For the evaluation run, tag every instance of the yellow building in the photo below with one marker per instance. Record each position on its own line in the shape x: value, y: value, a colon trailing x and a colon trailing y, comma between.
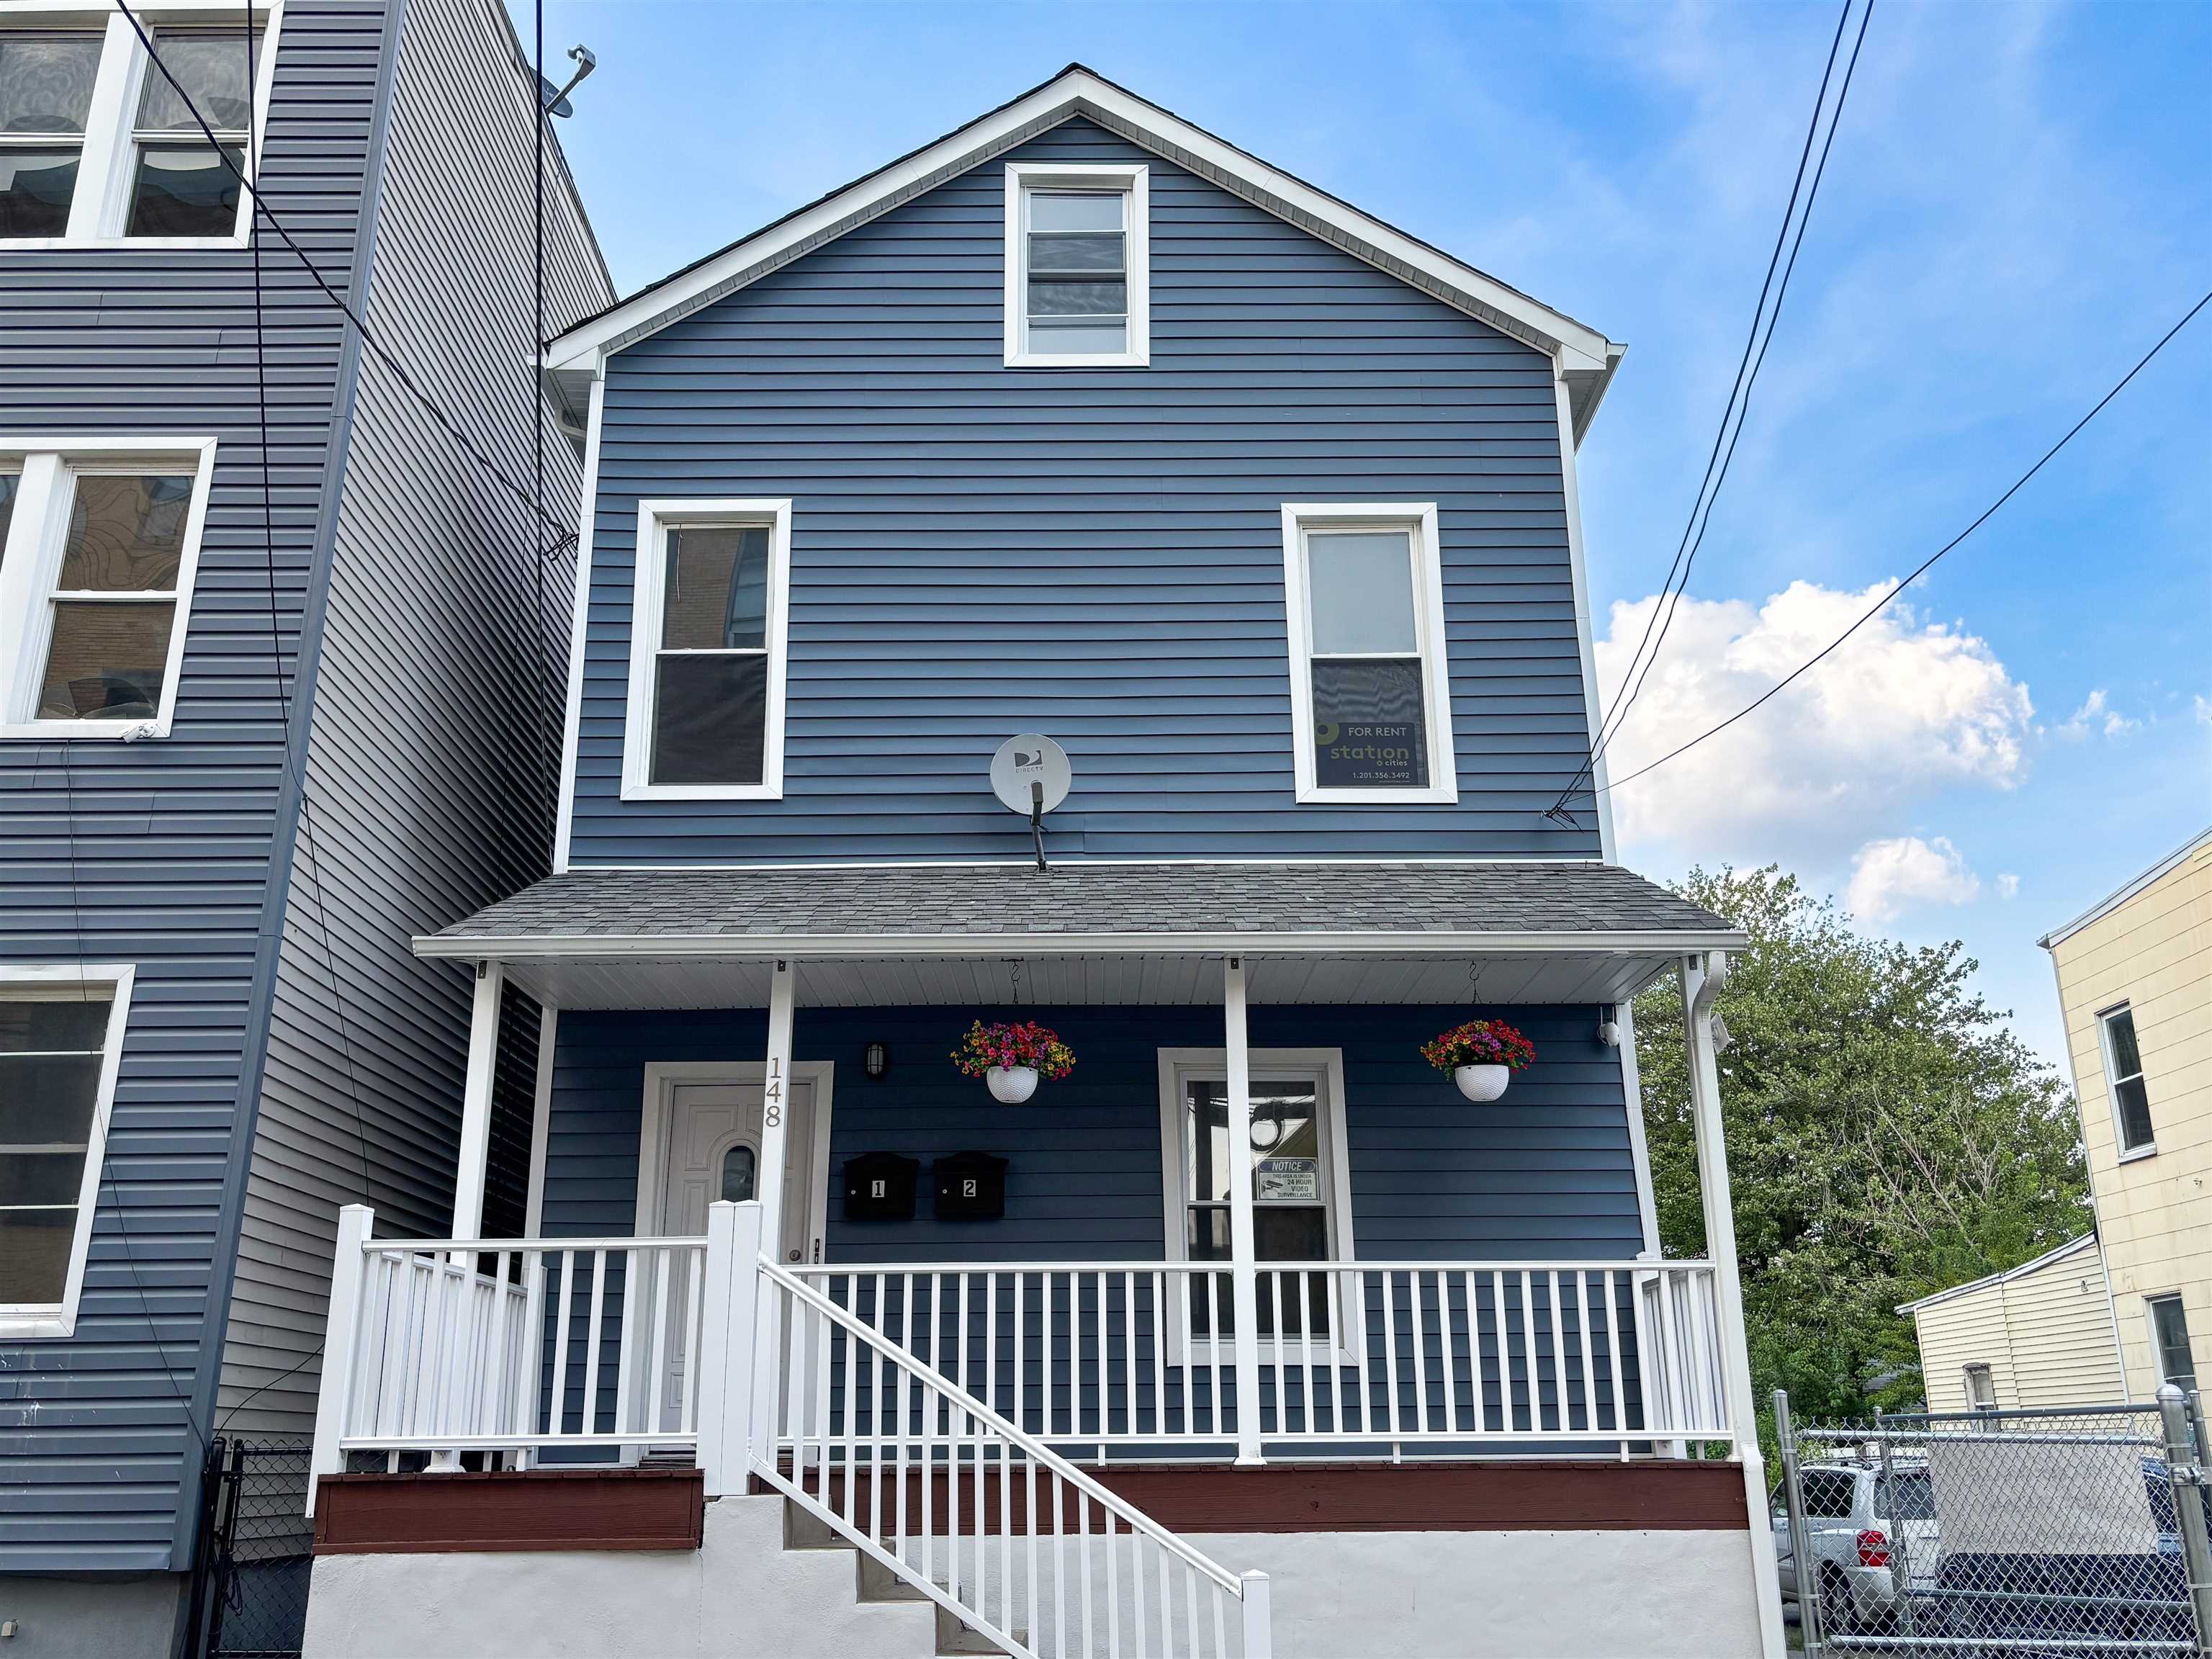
x: 2134, y: 983
x: 2040, y: 1334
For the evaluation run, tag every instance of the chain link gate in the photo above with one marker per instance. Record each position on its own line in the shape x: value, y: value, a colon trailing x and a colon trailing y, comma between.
x: 2064, y: 1534
x: 256, y: 1548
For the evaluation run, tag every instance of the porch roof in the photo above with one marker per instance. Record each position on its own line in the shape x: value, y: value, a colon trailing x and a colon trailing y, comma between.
x: 1560, y: 930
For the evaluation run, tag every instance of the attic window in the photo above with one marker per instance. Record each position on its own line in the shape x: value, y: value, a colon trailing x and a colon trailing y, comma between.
x: 1078, y: 267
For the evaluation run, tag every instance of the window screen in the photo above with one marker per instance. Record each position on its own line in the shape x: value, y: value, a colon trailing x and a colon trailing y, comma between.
x: 45, y: 95
x: 1076, y: 260
x: 115, y: 596
x: 185, y: 185
x: 2131, y: 1100
x: 50, y: 1065
x: 711, y: 671
x: 2169, y: 1326
x: 1370, y: 714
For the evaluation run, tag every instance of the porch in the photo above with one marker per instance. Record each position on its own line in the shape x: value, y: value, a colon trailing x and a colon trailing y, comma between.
x: 940, y: 1386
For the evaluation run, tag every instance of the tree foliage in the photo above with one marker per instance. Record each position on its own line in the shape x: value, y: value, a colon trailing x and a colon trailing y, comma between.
x: 1887, y: 1137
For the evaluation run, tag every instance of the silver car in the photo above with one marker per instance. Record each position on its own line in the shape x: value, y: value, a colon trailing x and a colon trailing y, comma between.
x: 1865, y: 1544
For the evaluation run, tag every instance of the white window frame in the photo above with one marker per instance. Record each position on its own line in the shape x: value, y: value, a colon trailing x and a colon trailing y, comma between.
x: 1324, y: 1069
x: 1418, y: 518
x: 1989, y: 1375
x: 108, y: 163
x: 2150, y: 1329
x: 654, y: 520
x: 1132, y: 180
x: 2125, y: 1153
x: 32, y: 564
x: 49, y: 1319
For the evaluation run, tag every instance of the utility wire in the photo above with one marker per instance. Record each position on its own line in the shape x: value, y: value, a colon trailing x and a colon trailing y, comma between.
x: 1732, y: 412
x: 452, y: 428
x: 1883, y: 603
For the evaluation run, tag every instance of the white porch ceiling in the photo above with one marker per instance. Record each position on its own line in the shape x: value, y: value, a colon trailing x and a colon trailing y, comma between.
x: 1176, y: 978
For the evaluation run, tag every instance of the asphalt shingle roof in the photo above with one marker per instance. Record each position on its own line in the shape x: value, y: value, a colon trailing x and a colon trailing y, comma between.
x: 1078, y: 899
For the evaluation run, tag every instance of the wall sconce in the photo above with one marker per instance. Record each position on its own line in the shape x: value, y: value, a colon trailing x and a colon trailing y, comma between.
x: 875, y: 1060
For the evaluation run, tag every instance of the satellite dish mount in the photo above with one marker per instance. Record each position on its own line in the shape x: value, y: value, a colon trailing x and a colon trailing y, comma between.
x: 1031, y: 775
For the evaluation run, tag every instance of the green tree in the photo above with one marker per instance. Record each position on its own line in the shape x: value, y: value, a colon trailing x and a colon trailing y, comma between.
x: 1887, y: 1137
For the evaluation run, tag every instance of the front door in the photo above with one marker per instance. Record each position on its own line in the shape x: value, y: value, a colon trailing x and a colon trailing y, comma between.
x: 710, y: 1149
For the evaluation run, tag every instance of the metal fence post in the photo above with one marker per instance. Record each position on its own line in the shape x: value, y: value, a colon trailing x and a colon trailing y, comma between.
x: 1801, y: 1539
x: 2190, y: 1482
x: 1900, y: 1557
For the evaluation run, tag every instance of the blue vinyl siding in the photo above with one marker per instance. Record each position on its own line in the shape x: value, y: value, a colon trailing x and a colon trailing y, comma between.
x: 1096, y: 554
x: 1547, y: 1171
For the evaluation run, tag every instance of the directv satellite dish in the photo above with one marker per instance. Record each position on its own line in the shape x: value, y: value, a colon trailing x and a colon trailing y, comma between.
x: 1031, y: 775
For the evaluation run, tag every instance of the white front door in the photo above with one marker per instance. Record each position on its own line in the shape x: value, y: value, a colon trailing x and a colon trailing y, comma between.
x: 710, y: 1149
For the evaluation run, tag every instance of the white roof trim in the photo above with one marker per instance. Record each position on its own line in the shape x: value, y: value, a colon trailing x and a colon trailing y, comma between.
x: 2165, y: 866
x: 2086, y: 1242
x: 1581, y: 351
x: 872, y: 946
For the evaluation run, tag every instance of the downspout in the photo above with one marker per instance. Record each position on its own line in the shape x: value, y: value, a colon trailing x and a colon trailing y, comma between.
x: 1703, y: 976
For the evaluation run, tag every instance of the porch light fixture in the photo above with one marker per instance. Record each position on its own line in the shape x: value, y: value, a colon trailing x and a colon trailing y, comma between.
x: 875, y: 1060
x: 1608, y: 1033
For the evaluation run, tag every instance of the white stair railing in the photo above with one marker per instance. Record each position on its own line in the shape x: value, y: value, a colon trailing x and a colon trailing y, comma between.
x: 982, y: 1516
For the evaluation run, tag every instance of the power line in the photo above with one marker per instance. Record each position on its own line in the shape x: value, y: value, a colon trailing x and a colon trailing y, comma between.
x: 1736, y: 410
x: 1883, y: 603
x: 452, y: 428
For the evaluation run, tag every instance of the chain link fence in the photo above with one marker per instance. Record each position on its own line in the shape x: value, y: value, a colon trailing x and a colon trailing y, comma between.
x: 257, y: 1547
x: 2065, y: 1534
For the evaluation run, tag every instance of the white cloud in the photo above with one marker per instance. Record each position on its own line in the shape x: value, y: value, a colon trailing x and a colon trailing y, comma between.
x: 1905, y: 705
x: 2095, y: 713
x: 2007, y: 885
x: 1889, y: 876
x: 2201, y: 706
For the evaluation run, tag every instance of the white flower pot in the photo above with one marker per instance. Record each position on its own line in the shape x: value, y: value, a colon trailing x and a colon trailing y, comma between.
x: 1012, y: 1085
x: 1481, y: 1082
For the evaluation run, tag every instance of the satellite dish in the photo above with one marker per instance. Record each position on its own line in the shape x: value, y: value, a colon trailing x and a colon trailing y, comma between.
x: 1031, y: 774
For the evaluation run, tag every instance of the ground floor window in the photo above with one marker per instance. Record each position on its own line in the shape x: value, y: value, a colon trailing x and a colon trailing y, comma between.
x: 61, y: 1030
x: 2169, y: 1333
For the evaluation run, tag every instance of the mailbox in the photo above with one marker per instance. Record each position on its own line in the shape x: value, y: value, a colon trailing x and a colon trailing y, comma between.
x: 879, y: 1187
x: 970, y: 1186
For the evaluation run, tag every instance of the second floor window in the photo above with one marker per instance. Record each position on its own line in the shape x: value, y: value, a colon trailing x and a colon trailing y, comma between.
x: 97, y: 145
x: 1078, y: 267
x: 706, y: 695
x: 1370, y: 699
x: 2123, y: 1069
x: 96, y: 570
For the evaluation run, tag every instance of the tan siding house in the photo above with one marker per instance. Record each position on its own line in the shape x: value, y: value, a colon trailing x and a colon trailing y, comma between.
x: 2040, y: 1334
x: 2135, y: 982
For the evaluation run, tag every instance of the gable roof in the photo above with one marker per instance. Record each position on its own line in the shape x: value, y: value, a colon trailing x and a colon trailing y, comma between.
x: 1586, y: 357
x: 2088, y: 1241
x: 2105, y: 907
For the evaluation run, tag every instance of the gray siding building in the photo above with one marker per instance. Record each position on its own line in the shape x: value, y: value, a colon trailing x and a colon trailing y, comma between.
x: 281, y: 630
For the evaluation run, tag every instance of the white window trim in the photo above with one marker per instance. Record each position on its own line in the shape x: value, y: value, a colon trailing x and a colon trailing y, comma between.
x: 1429, y: 640
x: 1966, y: 1374
x: 2150, y: 1329
x: 1324, y: 1068
x: 45, y: 1319
x: 654, y: 520
x: 1134, y: 180
x: 33, y: 562
x: 2124, y: 1153
x: 102, y: 203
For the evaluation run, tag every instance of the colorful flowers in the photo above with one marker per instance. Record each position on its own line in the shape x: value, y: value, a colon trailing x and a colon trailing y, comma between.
x: 1480, y: 1043
x: 1028, y: 1045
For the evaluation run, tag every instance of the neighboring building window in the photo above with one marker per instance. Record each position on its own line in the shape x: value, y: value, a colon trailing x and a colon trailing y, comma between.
x: 1301, y: 1200
x: 96, y: 144
x: 1981, y: 1388
x: 707, y: 670
x: 95, y: 583
x: 45, y: 96
x: 2169, y: 1331
x: 1078, y: 264
x: 2123, y: 1069
x: 1370, y: 693
x: 61, y: 1032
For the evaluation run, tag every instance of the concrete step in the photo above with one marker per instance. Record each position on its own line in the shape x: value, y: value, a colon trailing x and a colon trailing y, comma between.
x: 803, y: 1530
x: 956, y: 1636
x: 874, y: 1581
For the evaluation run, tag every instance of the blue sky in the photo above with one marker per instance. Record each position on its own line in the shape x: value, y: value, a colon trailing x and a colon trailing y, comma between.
x: 2019, y: 204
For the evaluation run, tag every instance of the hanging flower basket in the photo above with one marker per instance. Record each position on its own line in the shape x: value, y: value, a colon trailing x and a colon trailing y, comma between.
x: 1010, y: 1058
x: 1481, y: 1056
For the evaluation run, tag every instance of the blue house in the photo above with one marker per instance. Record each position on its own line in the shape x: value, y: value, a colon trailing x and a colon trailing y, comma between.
x: 1082, y: 582
x: 281, y: 625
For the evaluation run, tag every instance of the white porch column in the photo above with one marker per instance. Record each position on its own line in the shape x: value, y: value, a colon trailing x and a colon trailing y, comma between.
x: 1702, y: 979
x: 775, y: 1111
x: 476, y: 1102
x: 764, y: 1321
x: 1243, y: 1276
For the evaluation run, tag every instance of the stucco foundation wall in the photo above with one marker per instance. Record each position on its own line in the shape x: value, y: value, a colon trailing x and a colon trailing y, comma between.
x: 1337, y: 1596
x: 91, y: 1618
x: 1502, y: 1594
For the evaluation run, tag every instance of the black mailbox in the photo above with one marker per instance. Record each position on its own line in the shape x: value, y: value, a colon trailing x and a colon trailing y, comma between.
x: 970, y: 1185
x: 879, y: 1187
